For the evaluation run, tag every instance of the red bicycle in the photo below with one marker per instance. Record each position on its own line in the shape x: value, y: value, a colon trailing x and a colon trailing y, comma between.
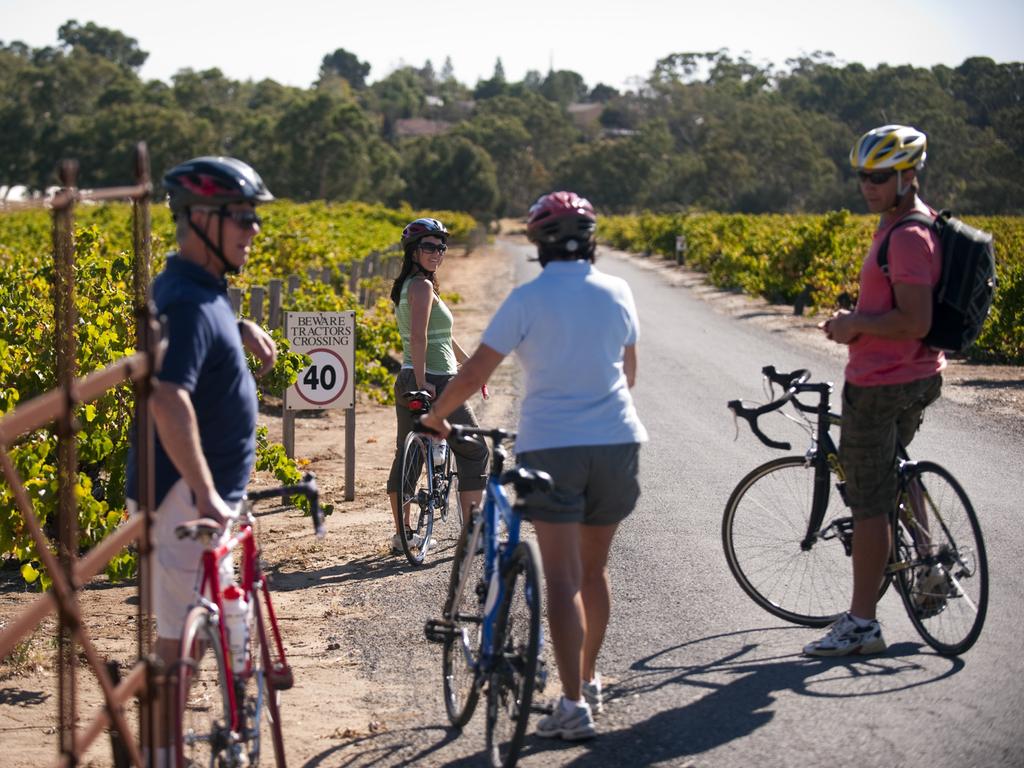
x: 232, y: 666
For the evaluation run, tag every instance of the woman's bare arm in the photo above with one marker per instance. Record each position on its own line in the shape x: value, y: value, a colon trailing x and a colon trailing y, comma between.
x: 421, y: 298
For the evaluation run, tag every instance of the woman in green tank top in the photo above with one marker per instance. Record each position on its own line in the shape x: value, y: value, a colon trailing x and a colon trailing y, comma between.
x: 430, y: 358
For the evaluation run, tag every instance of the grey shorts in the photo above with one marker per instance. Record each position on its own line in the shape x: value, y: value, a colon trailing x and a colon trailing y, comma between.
x: 470, y: 458
x: 874, y: 418
x: 593, y: 484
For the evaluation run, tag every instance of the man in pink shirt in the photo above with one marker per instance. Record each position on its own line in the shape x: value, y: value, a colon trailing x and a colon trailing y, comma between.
x: 891, y: 375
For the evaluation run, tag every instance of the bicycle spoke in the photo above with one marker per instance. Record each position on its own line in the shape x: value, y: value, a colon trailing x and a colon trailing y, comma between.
x: 416, y: 501
x: 763, y: 528
x: 464, y: 610
x: 202, y: 710
x: 511, y: 682
x: 944, y: 575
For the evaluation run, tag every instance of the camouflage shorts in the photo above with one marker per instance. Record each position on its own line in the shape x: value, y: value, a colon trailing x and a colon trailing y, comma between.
x: 874, y: 419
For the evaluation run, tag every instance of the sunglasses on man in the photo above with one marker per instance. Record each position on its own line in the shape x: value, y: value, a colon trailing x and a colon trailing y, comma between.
x: 875, y: 177
x: 243, y: 219
x: 431, y: 248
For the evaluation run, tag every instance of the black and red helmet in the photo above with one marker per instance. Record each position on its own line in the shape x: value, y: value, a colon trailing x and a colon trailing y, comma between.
x: 416, y: 230
x: 559, y: 217
x: 214, y: 181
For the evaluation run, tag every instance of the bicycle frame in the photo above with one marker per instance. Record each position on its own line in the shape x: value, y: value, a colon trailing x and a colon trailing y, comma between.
x: 208, y: 589
x: 439, y: 484
x: 824, y: 455
x: 496, y: 509
x: 438, y: 478
x: 209, y: 593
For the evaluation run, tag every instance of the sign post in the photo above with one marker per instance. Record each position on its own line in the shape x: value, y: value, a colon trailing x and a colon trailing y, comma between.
x: 329, y: 338
x: 681, y: 246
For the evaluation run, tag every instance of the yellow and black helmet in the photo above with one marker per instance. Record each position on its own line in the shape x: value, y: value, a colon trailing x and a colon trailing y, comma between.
x: 898, y: 147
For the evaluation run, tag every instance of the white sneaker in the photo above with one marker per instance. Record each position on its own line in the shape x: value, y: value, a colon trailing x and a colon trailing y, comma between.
x: 396, y: 544
x: 592, y: 694
x: 846, y: 637
x: 569, y: 721
x: 417, y: 539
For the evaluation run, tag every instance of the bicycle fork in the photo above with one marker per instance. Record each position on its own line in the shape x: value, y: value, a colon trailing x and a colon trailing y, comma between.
x: 842, y: 527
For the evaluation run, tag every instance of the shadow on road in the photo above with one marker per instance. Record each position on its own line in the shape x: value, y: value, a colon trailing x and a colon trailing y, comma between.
x: 723, y: 712
x: 388, y: 748
x: 365, y: 568
x: 734, y: 709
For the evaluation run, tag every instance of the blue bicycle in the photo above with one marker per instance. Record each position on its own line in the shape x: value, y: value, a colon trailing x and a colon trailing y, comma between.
x: 491, y: 625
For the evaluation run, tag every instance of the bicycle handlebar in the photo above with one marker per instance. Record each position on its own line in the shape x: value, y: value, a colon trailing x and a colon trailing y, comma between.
x: 464, y: 432
x: 307, y: 488
x: 792, y: 383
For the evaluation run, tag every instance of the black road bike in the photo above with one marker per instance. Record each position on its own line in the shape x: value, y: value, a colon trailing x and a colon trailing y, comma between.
x: 429, y: 489
x: 788, y: 534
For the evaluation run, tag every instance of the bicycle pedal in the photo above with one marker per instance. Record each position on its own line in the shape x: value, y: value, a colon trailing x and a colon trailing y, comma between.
x: 542, y: 709
x: 440, y: 630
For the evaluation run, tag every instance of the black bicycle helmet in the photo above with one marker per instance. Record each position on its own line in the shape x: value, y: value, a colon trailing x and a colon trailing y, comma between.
x: 416, y: 230
x: 214, y: 181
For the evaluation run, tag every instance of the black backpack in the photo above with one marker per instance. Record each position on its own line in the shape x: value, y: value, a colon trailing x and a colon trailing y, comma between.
x: 964, y: 293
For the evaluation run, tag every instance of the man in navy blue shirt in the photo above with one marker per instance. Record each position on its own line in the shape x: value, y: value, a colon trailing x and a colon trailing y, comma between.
x: 204, y: 401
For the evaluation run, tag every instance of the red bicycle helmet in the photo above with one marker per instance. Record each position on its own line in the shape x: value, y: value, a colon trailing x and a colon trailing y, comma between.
x: 559, y: 217
x: 416, y: 230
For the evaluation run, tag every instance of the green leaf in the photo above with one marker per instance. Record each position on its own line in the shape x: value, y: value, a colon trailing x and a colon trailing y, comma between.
x: 28, y: 573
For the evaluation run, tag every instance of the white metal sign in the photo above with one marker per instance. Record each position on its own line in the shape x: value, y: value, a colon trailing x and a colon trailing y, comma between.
x: 329, y: 340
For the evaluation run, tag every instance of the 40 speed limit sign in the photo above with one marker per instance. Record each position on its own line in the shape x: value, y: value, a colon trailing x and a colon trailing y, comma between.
x: 329, y: 340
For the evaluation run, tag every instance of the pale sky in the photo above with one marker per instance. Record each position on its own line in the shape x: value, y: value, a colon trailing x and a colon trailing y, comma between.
x: 606, y: 41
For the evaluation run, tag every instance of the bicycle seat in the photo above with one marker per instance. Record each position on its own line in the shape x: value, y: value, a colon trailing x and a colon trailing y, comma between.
x: 203, y: 528
x: 525, y: 480
x: 418, y: 400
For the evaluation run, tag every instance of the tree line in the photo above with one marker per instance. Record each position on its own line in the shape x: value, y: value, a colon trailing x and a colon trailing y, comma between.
x: 703, y: 131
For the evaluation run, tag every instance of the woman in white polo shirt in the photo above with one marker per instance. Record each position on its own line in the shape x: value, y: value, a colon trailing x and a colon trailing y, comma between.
x: 575, y: 330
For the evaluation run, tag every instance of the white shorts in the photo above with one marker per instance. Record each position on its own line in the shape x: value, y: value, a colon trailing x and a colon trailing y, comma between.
x: 175, y: 562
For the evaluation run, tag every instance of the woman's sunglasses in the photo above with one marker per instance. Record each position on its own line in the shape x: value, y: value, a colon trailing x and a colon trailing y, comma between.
x: 875, y: 177
x: 433, y: 248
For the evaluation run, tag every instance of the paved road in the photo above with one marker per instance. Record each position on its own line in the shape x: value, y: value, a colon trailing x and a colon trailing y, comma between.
x: 701, y: 676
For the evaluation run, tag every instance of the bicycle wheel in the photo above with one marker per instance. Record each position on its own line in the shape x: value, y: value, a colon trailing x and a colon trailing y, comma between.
x: 940, y: 563
x: 448, y: 507
x: 517, y: 638
x: 763, y: 530
x: 416, y: 497
x: 260, y: 694
x: 464, y: 607
x: 202, y: 707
